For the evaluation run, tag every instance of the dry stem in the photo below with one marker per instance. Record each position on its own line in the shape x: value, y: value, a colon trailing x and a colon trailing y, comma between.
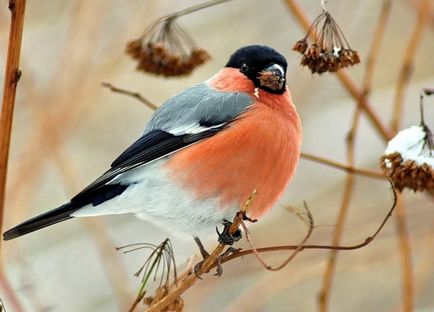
x: 366, y: 242
x: 324, y: 295
x: 309, y: 221
x: 135, y: 95
x: 405, y: 253
x: 407, y: 63
x: 347, y: 168
x: 12, y: 75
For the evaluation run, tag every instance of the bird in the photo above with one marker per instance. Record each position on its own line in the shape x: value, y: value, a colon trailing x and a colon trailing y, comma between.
x: 201, y: 154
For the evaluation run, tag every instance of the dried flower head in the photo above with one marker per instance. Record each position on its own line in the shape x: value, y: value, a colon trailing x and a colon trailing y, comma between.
x: 408, y: 160
x: 166, y: 49
x: 330, y: 51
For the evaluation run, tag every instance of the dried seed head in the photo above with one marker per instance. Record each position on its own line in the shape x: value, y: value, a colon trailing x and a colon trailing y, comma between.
x: 300, y: 46
x: 166, y: 49
x: 330, y: 51
x: 408, y: 160
x: 268, y: 79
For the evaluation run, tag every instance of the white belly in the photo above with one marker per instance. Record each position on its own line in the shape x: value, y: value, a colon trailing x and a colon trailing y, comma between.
x: 154, y: 197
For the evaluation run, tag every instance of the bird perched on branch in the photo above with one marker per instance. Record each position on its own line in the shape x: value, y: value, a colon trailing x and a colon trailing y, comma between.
x: 202, y: 153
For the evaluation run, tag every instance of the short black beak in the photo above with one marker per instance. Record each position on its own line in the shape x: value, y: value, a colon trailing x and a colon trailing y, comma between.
x: 276, y: 70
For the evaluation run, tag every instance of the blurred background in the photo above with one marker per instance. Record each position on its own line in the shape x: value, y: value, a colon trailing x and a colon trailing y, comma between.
x: 67, y: 129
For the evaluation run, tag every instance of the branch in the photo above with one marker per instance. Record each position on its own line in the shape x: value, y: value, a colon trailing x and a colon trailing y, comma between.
x: 135, y: 95
x: 12, y: 75
x: 341, y: 166
x: 407, y: 64
x: 310, y: 223
x: 195, y: 8
x: 366, y: 242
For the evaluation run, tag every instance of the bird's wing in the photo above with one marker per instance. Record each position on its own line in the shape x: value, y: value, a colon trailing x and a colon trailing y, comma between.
x: 191, y: 116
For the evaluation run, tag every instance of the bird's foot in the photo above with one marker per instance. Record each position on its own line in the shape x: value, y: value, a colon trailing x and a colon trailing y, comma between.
x: 225, y: 237
x: 218, y: 261
x: 202, y: 249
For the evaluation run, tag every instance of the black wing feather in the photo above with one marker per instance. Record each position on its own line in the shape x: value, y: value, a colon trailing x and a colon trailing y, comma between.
x: 150, y: 146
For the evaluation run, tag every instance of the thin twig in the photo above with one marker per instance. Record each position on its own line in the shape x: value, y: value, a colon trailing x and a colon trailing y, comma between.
x: 377, y: 40
x: 345, y: 79
x: 366, y: 242
x: 293, y: 254
x: 408, y: 60
x: 341, y: 166
x: 195, y: 8
x: 135, y: 95
x: 12, y: 75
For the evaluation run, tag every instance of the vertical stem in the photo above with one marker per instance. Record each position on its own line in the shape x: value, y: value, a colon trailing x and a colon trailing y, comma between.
x: 12, y: 75
x: 405, y: 252
x: 407, y: 64
x: 324, y: 295
x: 401, y: 226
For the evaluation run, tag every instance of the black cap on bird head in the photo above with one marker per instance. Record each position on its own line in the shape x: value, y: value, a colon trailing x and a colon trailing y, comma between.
x: 263, y: 65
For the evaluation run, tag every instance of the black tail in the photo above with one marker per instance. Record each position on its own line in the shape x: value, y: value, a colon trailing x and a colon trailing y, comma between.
x: 59, y: 214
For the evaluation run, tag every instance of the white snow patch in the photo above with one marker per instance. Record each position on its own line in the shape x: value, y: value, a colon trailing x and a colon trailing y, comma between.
x: 410, y: 144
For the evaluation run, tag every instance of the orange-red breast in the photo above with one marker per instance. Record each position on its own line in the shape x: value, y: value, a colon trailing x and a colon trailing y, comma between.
x: 202, y: 153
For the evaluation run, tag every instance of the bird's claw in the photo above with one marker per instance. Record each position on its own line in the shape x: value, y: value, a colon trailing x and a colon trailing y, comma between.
x: 218, y: 261
x: 202, y: 249
x: 227, y: 238
x: 197, y: 268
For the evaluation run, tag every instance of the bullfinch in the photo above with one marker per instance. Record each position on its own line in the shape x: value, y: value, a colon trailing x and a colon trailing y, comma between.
x: 202, y: 153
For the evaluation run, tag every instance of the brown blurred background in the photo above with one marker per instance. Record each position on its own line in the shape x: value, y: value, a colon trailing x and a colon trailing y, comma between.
x: 67, y: 129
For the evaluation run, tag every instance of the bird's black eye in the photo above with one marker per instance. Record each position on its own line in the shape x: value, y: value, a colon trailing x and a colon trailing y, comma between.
x: 244, y: 68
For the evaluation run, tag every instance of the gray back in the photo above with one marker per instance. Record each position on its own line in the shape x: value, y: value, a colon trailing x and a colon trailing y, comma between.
x: 198, y: 105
